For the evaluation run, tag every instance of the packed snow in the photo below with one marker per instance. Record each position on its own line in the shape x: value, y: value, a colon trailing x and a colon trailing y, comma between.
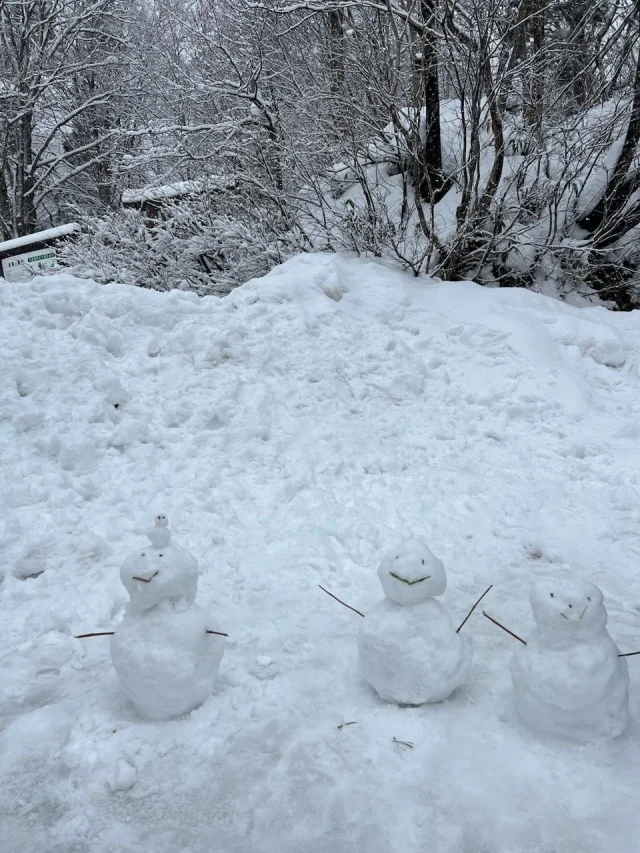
x: 292, y: 432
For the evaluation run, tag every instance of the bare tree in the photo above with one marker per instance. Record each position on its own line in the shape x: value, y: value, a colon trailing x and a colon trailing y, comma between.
x: 47, y: 47
x: 494, y: 139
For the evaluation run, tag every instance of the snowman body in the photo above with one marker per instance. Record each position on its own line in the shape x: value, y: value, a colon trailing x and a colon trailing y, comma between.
x: 408, y: 648
x: 569, y: 680
x: 164, y: 659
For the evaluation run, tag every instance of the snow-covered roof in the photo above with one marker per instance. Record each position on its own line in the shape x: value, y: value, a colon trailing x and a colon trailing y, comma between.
x: 39, y: 237
x: 175, y: 190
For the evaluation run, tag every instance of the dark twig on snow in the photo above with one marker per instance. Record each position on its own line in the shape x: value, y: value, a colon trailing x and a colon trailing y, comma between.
x: 500, y: 625
x: 403, y: 744
x: 341, y: 601
x: 95, y: 634
x: 473, y: 608
x: 110, y: 633
x: 351, y: 723
x: 628, y: 654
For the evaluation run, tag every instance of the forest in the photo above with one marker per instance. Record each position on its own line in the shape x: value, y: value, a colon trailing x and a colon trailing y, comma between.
x: 491, y: 140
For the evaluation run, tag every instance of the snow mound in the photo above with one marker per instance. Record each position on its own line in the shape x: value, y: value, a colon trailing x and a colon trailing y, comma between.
x: 290, y: 431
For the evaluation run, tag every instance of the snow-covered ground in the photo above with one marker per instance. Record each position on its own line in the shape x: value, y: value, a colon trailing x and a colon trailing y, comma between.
x: 290, y: 431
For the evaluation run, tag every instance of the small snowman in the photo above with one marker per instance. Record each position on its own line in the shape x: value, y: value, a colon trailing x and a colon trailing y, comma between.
x: 163, y: 652
x: 569, y: 678
x: 408, y: 648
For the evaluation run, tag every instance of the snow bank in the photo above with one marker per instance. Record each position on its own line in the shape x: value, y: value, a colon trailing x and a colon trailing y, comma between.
x: 291, y: 431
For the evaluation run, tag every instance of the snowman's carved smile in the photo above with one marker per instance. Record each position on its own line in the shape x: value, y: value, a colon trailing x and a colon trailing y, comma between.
x: 145, y: 580
x: 574, y: 621
x: 409, y: 583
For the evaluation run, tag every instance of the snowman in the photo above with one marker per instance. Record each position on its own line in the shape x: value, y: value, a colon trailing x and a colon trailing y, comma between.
x: 408, y: 648
x: 568, y: 678
x: 163, y: 652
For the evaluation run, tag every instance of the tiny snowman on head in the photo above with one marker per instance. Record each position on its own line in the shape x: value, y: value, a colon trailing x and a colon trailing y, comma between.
x: 160, y: 534
x: 160, y: 571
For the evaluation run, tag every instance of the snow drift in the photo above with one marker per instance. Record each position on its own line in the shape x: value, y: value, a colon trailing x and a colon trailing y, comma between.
x: 292, y: 431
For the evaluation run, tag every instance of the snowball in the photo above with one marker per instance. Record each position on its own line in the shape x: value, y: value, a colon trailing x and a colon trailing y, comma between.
x: 165, y: 661
x: 412, y: 655
x: 411, y: 573
x: 122, y: 777
x: 567, y: 609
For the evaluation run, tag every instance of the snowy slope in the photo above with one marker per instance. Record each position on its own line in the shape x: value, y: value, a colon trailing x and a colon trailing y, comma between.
x: 289, y: 431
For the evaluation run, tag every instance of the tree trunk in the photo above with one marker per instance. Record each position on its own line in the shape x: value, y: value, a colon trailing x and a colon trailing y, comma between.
x: 535, y: 16
x: 335, y: 25
x: 513, y: 53
x: 336, y: 62
x: 600, y: 220
x: 26, y: 211
x: 432, y: 180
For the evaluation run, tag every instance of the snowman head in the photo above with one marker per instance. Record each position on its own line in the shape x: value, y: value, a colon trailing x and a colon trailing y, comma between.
x: 159, y: 571
x: 567, y: 608
x: 410, y: 573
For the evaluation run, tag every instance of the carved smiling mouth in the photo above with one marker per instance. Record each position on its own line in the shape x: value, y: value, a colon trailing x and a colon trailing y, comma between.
x: 145, y: 580
x: 409, y: 583
x: 575, y: 621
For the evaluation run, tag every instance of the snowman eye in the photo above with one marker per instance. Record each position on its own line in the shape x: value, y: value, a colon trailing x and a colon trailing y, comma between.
x: 588, y: 599
x: 570, y: 606
x: 551, y: 594
x: 143, y: 554
x: 160, y: 555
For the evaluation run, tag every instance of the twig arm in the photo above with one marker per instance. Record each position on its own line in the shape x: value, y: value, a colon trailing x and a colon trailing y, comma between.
x: 110, y: 633
x: 500, y: 625
x: 341, y: 601
x: 95, y: 634
x: 461, y: 625
x: 628, y: 654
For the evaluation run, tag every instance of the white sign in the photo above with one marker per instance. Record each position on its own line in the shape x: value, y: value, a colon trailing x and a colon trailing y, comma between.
x: 22, y: 267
